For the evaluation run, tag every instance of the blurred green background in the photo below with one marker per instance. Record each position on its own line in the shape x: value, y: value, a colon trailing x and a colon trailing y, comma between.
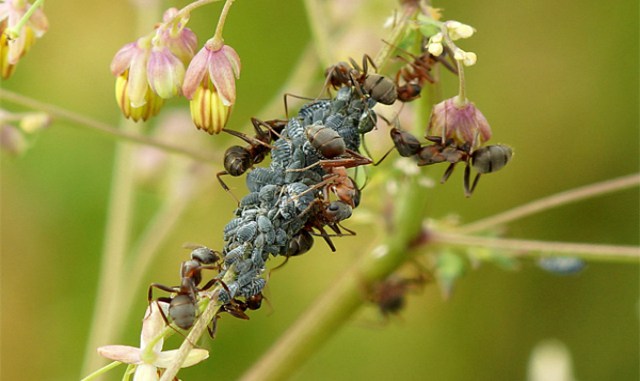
x: 558, y: 81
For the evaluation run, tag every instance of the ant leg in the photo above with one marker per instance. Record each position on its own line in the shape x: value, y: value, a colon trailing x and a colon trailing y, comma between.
x: 213, y: 328
x: 286, y: 107
x: 448, y: 173
x: 249, y: 139
x: 224, y: 185
x: 160, y: 287
x: 326, y: 238
x: 366, y: 58
x: 467, y: 175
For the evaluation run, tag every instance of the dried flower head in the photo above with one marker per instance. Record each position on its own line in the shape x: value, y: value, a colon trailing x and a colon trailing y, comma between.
x: 15, y: 43
x: 210, y: 85
x: 460, y: 122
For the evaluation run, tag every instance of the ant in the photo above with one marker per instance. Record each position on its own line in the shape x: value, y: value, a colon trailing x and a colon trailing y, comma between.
x: 484, y: 160
x: 378, y: 87
x: 389, y: 294
x: 182, y: 306
x: 237, y: 159
x: 236, y: 308
x: 418, y: 71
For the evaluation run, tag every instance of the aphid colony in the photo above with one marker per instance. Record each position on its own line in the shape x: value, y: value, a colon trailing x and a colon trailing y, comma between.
x: 306, y: 187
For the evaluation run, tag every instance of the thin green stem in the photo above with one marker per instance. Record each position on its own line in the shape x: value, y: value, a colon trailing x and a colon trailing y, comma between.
x: 102, y: 371
x: 553, y: 201
x: 117, y: 230
x: 221, y: 20
x: 15, y: 31
x: 320, y: 30
x: 184, y: 12
x: 119, y: 133
x: 519, y: 247
x: 115, y: 246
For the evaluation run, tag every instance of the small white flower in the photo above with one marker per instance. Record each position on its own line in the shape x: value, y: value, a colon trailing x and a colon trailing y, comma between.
x: 434, y: 46
x: 148, y: 359
x: 435, y: 49
x: 458, y: 30
x: 467, y: 58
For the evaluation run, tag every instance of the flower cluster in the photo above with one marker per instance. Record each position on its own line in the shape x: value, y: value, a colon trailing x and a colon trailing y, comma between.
x: 152, y: 69
x: 449, y: 32
x: 19, y: 30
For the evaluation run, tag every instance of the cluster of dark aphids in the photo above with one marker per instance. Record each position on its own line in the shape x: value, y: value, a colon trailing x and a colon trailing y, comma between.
x: 292, y: 199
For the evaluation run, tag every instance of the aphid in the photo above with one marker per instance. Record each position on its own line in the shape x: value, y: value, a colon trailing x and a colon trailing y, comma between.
x: 247, y: 231
x: 260, y: 177
x: 182, y: 307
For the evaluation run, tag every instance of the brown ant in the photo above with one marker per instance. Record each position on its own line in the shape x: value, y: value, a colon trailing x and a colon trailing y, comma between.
x: 418, y: 71
x: 389, y: 294
x: 485, y: 159
x: 237, y: 159
x: 378, y: 87
x: 237, y: 309
x: 182, y: 306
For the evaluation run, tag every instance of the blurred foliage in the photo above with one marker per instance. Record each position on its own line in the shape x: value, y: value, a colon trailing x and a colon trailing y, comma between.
x: 558, y: 81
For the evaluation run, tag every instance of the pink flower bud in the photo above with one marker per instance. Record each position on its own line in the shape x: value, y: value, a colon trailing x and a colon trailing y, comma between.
x: 463, y: 124
x: 210, y: 85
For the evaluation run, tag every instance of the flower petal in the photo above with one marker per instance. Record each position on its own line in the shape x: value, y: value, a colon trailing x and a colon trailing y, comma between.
x: 166, y: 358
x: 195, y: 72
x: 146, y: 372
x: 122, y: 353
x: 221, y: 73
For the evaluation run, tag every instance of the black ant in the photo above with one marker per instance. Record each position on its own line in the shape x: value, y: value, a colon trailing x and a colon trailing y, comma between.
x: 237, y: 159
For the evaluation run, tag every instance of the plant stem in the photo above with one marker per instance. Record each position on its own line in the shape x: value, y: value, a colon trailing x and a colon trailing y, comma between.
x: 519, y: 247
x: 334, y: 307
x: 319, y: 25
x: 114, y: 249
x: 84, y: 121
x: 15, y: 31
x: 223, y: 17
x: 118, y: 229
x: 553, y: 201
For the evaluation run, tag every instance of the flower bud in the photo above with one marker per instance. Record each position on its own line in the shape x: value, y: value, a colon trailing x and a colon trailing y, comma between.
x: 134, y: 95
x: 209, y: 84
x: 165, y: 72
x: 459, y: 122
x: 458, y: 30
x: 14, y: 47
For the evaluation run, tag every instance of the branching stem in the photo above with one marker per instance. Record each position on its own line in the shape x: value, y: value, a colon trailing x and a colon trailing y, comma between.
x: 119, y: 133
x: 553, y: 201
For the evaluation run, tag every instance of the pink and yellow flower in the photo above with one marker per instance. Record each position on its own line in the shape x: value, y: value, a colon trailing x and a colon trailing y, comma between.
x: 210, y: 85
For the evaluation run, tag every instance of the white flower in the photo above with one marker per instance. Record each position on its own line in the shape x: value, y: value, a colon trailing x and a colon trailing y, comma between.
x: 149, y: 356
x: 458, y: 30
x: 467, y: 58
x: 434, y: 46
